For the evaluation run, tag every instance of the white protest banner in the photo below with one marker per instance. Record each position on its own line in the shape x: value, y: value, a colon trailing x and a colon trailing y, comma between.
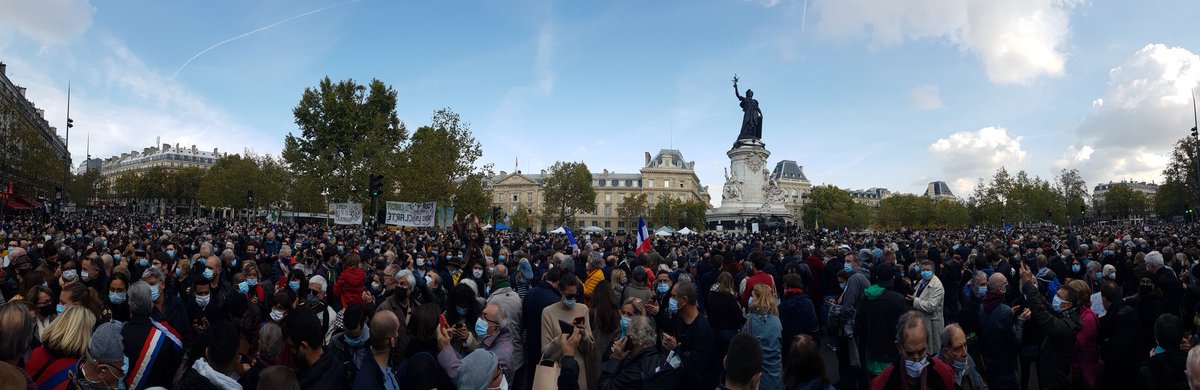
x: 411, y: 214
x: 347, y: 213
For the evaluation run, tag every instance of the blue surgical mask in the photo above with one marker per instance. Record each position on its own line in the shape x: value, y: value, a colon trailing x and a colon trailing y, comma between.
x: 1158, y: 350
x: 1074, y: 267
x: 144, y: 262
x: 481, y: 327
x: 625, y: 321
x: 360, y: 340
x: 116, y: 257
x: 341, y: 248
x: 958, y: 366
x: 926, y: 274
x: 178, y: 272
x: 116, y: 298
x: 663, y: 288
x: 501, y: 257
x: 154, y: 292
x: 981, y: 290
x: 848, y: 267
x: 672, y: 305
x: 1056, y: 304
x: 570, y: 303
x: 915, y: 368
x: 1099, y: 275
x: 171, y: 254
x: 208, y: 274
x: 60, y: 308
x: 252, y: 281
x: 294, y: 285
x: 842, y: 285
x: 1109, y: 252
x: 243, y: 287
x: 462, y: 311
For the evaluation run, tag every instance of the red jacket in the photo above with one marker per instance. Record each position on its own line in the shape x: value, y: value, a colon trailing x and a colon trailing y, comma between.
x: 938, y: 376
x: 50, y: 372
x: 759, y: 277
x: 349, y: 286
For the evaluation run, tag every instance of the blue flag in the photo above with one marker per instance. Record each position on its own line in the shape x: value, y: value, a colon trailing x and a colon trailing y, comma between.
x: 571, y: 238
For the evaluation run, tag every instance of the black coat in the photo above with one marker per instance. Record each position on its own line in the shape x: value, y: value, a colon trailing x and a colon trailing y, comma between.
x: 876, y: 324
x: 796, y: 316
x: 999, y: 344
x: 1165, y: 371
x: 629, y: 373
x: 1058, y: 339
x: 699, y: 362
x: 1120, y: 352
x: 192, y: 380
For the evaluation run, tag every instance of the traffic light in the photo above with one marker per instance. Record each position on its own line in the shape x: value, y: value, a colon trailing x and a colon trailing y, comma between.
x: 1082, y: 210
x: 376, y: 186
x: 249, y: 198
x: 71, y: 123
x: 1194, y: 133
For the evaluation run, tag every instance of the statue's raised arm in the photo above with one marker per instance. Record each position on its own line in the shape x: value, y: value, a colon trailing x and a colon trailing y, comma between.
x: 735, y: 88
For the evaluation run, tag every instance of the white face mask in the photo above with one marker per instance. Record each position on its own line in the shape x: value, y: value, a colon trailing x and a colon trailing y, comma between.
x: 202, y: 300
x: 276, y: 315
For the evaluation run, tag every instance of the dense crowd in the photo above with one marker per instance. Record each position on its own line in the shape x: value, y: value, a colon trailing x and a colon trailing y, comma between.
x: 112, y: 301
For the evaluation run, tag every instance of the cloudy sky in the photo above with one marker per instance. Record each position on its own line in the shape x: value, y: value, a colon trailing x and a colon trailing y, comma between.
x: 862, y: 93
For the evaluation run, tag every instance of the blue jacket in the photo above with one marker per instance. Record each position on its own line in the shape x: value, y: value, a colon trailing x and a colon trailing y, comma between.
x: 369, y: 378
x: 767, y: 329
x: 797, y: 316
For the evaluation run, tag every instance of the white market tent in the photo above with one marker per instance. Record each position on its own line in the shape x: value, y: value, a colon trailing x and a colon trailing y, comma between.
x: 664, y: 231
x: 560, y: 230
x: 685, y: 231
x: 593, y: 229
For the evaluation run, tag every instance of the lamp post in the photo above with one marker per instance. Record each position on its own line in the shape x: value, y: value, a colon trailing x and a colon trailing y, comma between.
x: 1196, y: 139
x: 62, y: 195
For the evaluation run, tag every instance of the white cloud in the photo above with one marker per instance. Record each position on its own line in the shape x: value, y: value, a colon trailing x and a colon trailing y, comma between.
x: 128, y: 104
x: 926, y: 98
x: 1017, y: 40
x: 766, y: 3
x: 1074, y: 156
x: 49, y: 22
x: 1146, y: 108
x: 969, y: 155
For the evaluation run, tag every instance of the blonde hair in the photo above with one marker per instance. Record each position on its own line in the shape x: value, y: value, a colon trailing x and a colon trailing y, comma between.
x: 764, y: 300
x: 725, y: 283
x: 617, y: 275
x: 250, y: 265
x: 71, y: 331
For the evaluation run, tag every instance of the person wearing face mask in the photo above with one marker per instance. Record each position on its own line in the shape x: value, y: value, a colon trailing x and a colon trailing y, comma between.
x: 491, y: 330
x: 201, y: 309
x: 573, y: 312
x: 914, y: 368
x: 154, y: 349
x: 376, y: 373
x: 350, y: 345
x: 1122, y: 354
x: 116, y: 306
x: 509, y: 303
x: 1060, y: 323
x: 928, y: 299
x: 875, y: 322
x: 954, y: 352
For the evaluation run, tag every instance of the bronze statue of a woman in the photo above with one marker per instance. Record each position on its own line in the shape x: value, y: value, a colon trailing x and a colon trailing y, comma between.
x: 751, y: 115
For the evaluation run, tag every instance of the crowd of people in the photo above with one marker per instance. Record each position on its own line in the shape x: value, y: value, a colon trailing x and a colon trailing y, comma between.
x: 131, y: 301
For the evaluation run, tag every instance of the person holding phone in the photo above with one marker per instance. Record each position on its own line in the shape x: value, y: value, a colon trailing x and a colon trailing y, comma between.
x: 558, y: 317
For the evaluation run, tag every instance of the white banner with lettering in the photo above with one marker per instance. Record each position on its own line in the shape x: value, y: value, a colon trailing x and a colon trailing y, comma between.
x: 347, y: 214
x: 411, y: 214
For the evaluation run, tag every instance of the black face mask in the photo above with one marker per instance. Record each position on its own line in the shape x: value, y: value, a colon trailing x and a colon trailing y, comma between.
x: 401, y: 293
x: 47, y: 310
x: 1145, y: 289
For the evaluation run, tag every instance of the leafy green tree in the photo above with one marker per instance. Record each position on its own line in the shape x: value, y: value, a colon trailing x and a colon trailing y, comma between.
x: 666, y: 212
x: 347, y: 132
x: 226, y: 183
x: 125, y: 187
x: 1123, y: 202
x: 439, y: 158
x: 1172, y: 199
x: 832, y: 207
x: 471, y: 197
x: 82, y: 187
x: 521, y: 218
x: 1073, y: 191
x: 631, y: 208
x: 304, y: 195
x: 567, y: 191
x: 950, y: 214
x: 185, y: 184
x: 691, y: 214
x: 1181, y: 167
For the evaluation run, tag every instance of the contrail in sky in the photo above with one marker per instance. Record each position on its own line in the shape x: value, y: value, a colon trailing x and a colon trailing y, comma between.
x: 260, y: 29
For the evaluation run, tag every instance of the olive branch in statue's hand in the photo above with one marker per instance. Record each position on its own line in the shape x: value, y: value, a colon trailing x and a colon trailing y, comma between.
x: 735, y: 79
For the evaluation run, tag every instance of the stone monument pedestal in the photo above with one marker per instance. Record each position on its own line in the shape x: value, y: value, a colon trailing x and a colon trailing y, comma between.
x: 749, y: 194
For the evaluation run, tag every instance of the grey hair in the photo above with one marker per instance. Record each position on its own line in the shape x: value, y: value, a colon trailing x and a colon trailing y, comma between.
x: 17, y: 324
x: 285, y: 250
x: 595, y: 260
x: 947, y: 334
x: 270, y: 341
x: 227, y: 254
x: 641, y: 332
x: 206, y: 247
x: 684, y: 278
x: 139, y: 298
x: 909, y: 320
x: 153, y: 272
x: 980, y: 275
x: 503, y: 317
x: 407, y: 275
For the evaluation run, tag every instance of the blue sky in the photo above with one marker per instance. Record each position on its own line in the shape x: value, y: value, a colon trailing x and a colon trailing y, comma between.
x: 861, y: 93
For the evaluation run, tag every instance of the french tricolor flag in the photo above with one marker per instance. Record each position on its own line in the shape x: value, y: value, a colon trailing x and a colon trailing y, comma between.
x: 643, y: 238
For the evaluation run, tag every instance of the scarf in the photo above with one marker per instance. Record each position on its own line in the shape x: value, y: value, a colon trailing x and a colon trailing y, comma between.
x: 793, y: 290
x: 500, y: 285
x: 991, y: 300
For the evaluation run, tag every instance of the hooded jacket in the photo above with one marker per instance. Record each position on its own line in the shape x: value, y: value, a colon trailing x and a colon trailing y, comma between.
x: 876, y: 324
